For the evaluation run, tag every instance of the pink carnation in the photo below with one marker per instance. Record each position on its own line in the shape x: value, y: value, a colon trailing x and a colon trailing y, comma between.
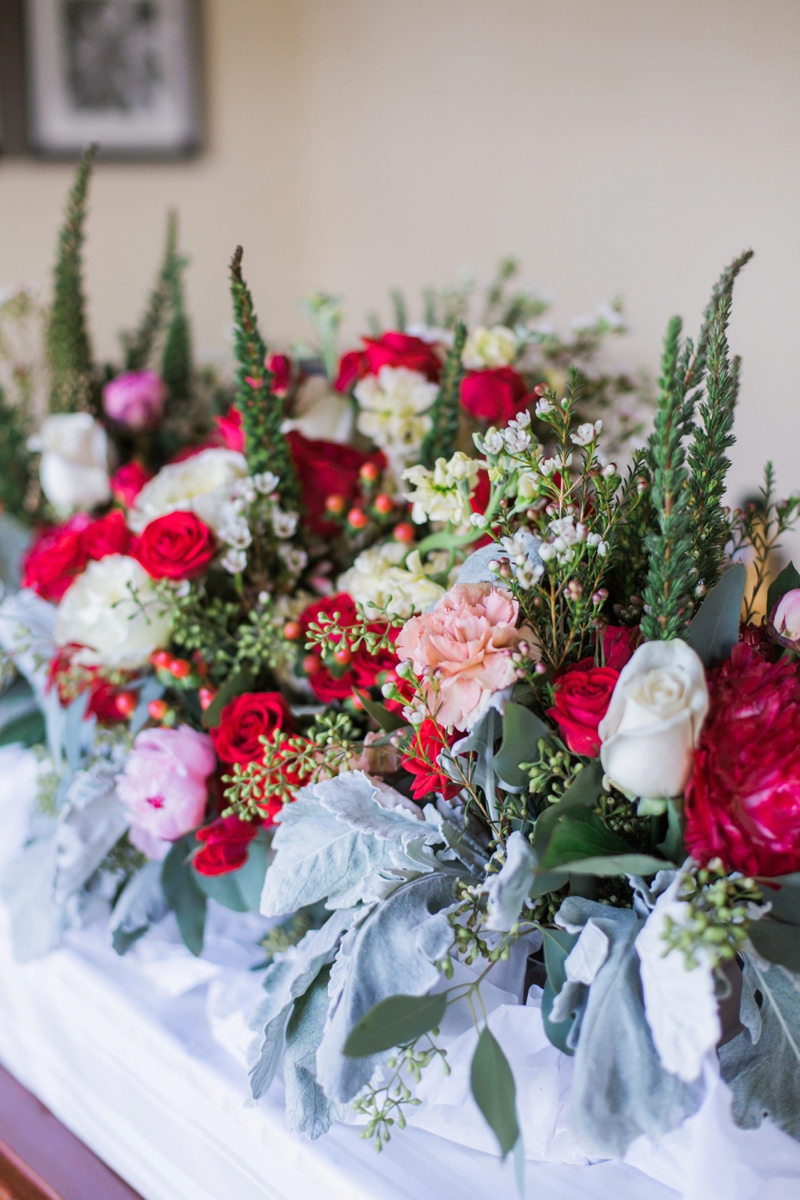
x: 163, y: 786
x: 135, y: 399
x: 463, y: 650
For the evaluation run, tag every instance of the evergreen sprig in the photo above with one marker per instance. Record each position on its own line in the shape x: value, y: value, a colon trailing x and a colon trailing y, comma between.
x: 440, y: 441
x: 139, y: 345
x: 262, y: 413
x: 671, y: 575
x: 713, y: 434
x: 68, y: 350
x: 176, y: 358
x: 723, y: 288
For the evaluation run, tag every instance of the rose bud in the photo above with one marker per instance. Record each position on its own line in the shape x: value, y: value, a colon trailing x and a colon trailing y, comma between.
x: 135, y: 399
x: 784, y: 624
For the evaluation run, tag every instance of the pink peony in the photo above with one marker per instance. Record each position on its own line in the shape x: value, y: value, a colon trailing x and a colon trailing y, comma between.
x: 463, y: 649
x: 135, y: 399
x: 163, y: 786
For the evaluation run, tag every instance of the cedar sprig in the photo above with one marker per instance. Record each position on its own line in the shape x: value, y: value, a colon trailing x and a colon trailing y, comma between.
x: 440, y: 440
x: 140, y: 344
x: 671, y: 576
x: 176, y: 357
x: 713, y: 433
x: 69, y: 352
x: 262, y: 413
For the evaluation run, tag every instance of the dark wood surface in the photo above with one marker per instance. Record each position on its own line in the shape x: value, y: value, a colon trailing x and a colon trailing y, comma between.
x: 41, y: 1160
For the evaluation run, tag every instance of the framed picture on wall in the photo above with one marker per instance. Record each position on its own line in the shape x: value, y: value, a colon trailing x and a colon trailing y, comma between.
x: 124, y: 73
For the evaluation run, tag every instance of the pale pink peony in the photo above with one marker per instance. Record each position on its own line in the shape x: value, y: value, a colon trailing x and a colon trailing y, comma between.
x: 135, y: 399
x: 463, y: 649
x: 163, y: 786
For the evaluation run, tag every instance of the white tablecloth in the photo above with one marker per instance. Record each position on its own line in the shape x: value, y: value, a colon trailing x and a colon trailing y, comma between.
x: 122, y: 1051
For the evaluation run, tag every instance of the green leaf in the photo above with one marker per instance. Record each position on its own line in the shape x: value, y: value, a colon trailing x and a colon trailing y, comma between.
x: 777, y: 942
x: 580, y: 834
x: 494, y: 1090
x: 787, y: 581
x: 618, y: 864
x: 522, y: 730
x: 672, y: 846
x: 714, y: 630
x: 582, y: 793
x: 184, y: 895
x: 234, y: 685
x: 557, y: 946
x: 388, y: 721
x: 28, y: 729
x: 393, y: 1022
x: 239, y: 890
x: 784, y: 897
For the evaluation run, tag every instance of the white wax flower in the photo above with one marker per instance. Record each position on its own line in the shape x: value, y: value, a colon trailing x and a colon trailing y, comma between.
x: 74, y: 463
x: 495, y: 347
x: 203, y: 484
x: 113, y: 610
x: 654, y: 719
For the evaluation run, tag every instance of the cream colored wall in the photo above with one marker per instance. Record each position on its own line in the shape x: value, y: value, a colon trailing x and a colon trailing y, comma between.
x: 627, y: 146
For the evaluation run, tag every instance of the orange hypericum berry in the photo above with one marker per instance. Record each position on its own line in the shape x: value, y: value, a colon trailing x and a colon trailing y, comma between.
x: 369, y: 472
x: 335, y: 503
x: 404, y: 532
x: 180, y: 667
x: 383, y: 503
x: 158, y: 709
x: 357, y: 702
x: 357, y: 518
x: 292, y: 631
x: 343, y: 655
x: 125, y: 703
x: 312, y: 663
x: 206, y: 696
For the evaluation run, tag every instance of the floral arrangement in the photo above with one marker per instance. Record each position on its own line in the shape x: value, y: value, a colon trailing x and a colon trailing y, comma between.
x: 452, y: 694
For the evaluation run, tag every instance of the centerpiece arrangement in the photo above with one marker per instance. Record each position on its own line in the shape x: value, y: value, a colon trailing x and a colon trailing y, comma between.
x: 467, y: 693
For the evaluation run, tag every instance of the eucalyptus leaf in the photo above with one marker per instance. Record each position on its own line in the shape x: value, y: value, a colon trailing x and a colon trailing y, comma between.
x: 389, y: 721
x: 777, y: 942
x: 764, y: 1075
x: 557, y: 945
x: 393, y: 1022
x: 581, y: 793
x: 494, y: 1090
x: 617, y: 864
x: 787, y: 581
x: 784, y: 896
x: 385, y: 960
x: 579, y: 834
x: 28, y: 728
x: 308, y: 1109
x: 184, y: 895
x: 27, y: 887
x: 239, y: 890
x: 714, y: 629
x: 522, y: 731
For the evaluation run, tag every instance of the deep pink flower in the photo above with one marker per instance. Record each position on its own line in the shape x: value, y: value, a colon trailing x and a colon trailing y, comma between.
x: 135, y: 399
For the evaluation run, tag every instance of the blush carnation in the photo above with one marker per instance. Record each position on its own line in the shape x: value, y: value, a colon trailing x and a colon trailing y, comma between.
x: 163, y: 786
x: 463, y: 650
x: 743, y: 799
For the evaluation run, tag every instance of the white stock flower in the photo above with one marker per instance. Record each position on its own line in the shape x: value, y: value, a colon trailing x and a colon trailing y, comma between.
x: 203, y: 484
x: 393, y: 407
x: 438, y: 496
x: 378, y: 574
x: 114, y: 611
x: 654, y: 719
x: 74, y: 464
x: 495, y: 347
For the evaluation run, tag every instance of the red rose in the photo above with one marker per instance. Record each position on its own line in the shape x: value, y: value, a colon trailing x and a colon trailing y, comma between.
x: 176, y: 546
x: 743, y: 800
x: 582, y: 695
x: 108, y: 535
x: 229, y: 431
x: 327, y: 469
x: 128, y: 481
x: 246, y: 719
x: 281, y: 367
x: 352, y: 367
x: 366, y: 667
x: 227, y: 842
x: 496, y: 394
x: 422, y: 760
x: 389, y: 350
x: 55, y: 558
x: 619, y: 644
x: 363, y: 668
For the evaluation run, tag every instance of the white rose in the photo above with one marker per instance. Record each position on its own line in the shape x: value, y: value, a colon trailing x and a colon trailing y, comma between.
x: 113, y: 610
x: 203, y: 484
x: 653, y: 721
x: 74, y: 464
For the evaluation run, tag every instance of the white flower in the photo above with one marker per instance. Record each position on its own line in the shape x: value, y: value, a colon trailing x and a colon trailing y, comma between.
x: 438, y: 496
x: 567, y: 532
x: 393, y: 405
x: 517, y: 440
x: 202, y: 484
x: 266, y: 482
x: 493, y: 442
x: 74, y: 464
x: 584, y: 434
x: 244, y: 490
x: 544, y: 408
x: 232, y: 526
x: 654, y: 719
x: 234, y: 562
x: 496, y: 347
x: 284, y: 523
x: 295, y: 559
x: 377, y: 575
x: 114, y: 610
x: 548, y: 465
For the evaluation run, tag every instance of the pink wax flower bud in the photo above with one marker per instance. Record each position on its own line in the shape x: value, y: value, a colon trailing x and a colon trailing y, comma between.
x: 135, y: 399
x: 785, y: 620
x: 163, y: 786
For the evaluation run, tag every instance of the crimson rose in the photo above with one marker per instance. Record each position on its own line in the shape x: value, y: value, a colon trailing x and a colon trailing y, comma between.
x: 496, y: 394
x: 743, y: 800
x: 422, y: 760
x: 327, y: 469
x: 176, y: 546
x: 108, y: 535
x: 389, y: 350
x: 55, y: 558
x: 227, y: 842
x: 582, y: 695
x: 246, y: 719
x: 128, y: 481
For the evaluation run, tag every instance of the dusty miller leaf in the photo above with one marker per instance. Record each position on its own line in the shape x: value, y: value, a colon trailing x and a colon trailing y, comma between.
x: 308, y: 1109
